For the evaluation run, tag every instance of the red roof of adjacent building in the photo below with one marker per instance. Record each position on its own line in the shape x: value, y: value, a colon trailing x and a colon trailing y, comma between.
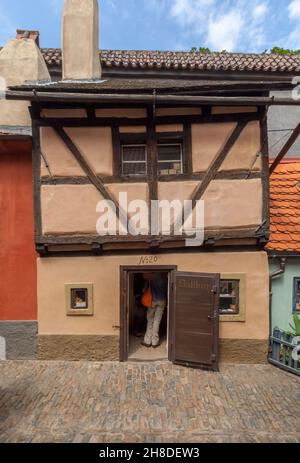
x: 285, y: 207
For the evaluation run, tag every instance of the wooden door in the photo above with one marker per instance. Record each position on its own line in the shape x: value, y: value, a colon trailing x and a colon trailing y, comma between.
x: 195, y: 320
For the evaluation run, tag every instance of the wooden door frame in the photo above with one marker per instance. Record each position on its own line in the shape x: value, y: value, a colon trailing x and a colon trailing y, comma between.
x: 124, y: 326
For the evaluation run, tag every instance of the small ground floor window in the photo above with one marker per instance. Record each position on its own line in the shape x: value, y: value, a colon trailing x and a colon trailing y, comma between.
x: 229, y: 297
x: 232, y: 303
x: 296, y: 305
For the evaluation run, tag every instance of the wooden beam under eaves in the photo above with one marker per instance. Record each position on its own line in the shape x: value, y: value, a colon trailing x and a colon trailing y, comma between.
x: 172, y: 99
x: 286, y: 148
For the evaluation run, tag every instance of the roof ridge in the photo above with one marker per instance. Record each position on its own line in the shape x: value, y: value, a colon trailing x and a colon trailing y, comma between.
x: 189, y: 60
x: 217, y: 53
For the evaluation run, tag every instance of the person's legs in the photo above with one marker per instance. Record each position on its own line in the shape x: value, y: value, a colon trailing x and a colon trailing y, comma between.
x: 150, y: 321
x: 159, y: 311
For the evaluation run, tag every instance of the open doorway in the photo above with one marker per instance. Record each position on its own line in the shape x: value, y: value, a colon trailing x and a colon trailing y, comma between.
x: 145, y: 331
x: 189, y: 326
x: 148, y: 326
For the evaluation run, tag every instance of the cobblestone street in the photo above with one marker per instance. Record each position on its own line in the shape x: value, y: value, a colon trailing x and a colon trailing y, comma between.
x: 153, y: 403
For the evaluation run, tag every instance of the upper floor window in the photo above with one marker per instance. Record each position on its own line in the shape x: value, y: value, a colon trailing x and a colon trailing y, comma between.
x: 134, y: 160
x: 296, y: 305
x: 170, y: 159
x: 173, y: 153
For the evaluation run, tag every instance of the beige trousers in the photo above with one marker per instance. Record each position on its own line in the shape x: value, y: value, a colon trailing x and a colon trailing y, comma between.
x: 154, y: 317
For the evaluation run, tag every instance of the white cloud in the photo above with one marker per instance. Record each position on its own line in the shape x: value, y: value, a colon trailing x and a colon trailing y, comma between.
x: 260, y: 11
x: 191, y: 12
x: 294, y: 9
x: 225, y: 25
x: 224, y: 31
x: 293, y: 40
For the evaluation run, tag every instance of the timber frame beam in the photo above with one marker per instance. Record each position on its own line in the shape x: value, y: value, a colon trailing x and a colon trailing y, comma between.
x: 158, y: 120
x: 93, y: 178
x: 176, y: 100
x: 214, y: 168
x: 218, y: 161
x: 211, y: 235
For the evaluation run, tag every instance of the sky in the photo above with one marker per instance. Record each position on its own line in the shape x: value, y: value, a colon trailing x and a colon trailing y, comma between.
x: 232, y: 25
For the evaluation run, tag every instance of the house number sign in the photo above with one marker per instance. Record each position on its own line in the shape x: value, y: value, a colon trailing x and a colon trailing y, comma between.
x: 148, y: 260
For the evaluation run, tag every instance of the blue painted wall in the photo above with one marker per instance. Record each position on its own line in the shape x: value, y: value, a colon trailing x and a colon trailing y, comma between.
x: 283, y: 289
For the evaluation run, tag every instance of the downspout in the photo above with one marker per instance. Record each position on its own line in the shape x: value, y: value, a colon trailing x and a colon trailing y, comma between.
x: 271, y: 278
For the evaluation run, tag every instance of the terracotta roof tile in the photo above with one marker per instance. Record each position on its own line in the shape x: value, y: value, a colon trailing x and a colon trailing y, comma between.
x: 285, y: 207
x: 239, y: 62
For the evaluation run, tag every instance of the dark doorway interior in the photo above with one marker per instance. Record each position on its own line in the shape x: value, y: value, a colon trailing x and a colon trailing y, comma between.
x: 138, y: 320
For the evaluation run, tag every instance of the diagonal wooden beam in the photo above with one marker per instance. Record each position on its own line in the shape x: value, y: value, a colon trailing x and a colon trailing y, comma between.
x: 215, y: 166
x: 218, y: 161
x: 94, y: 179
x: 286, y: 148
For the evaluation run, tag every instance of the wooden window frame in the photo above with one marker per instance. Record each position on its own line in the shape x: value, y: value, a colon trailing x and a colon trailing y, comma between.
x: 123, y: 145
x: 184, y: 138
x: 70, y: 310
x: 241, y: 316
x: 295, y: 310
x: 181, y: 158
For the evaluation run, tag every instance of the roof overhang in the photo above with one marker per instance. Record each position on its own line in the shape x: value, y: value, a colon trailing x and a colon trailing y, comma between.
x: 15, y: 132
x: 170, y: 99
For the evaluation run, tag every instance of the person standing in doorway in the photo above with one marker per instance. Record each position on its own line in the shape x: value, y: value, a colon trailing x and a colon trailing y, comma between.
x: 159, y: 289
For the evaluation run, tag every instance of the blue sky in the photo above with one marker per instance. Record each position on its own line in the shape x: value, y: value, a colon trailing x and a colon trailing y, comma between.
x: 234, y: 25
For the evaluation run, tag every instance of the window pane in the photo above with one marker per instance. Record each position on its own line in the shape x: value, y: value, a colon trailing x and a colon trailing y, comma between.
x: 229, y: 297
x: 134, y: 153
x: 134, y: 160
x: 79, y: 298
x: 134, y: 169
x: 169, y: 153
x: 169, y: 168
x: 170, y: 159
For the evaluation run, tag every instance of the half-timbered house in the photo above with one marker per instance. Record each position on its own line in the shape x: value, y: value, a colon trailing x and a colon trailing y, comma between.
x: 156, y: 126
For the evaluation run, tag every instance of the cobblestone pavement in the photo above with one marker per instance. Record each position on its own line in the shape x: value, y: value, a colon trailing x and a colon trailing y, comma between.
x: 153, y: 403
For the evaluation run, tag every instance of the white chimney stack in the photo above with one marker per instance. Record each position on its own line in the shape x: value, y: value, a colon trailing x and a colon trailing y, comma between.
x: 80, y: 40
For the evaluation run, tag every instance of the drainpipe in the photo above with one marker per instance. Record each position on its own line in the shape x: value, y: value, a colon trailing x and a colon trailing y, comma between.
x: 272, y: 276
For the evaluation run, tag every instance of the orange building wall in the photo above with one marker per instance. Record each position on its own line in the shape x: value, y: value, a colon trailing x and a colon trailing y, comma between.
x: 18, y: 299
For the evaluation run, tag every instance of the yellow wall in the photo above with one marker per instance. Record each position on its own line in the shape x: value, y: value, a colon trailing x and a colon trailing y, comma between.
x: 104, y: 274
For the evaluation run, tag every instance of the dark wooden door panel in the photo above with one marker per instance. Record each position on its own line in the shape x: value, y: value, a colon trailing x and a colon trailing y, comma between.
x: 195, y: 327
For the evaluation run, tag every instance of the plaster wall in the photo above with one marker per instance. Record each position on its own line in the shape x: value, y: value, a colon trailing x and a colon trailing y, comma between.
x: 104, y: 274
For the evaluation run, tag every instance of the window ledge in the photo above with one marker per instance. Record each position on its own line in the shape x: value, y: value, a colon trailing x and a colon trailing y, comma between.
x: 233, y: 318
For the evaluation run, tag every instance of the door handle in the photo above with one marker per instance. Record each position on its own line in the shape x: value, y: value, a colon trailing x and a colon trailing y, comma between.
x: 211, y: 318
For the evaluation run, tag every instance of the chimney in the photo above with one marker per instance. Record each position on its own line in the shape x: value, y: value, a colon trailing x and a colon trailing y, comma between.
x: 25, y: 34
x: 80, y: 40
x: 21, y: 60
